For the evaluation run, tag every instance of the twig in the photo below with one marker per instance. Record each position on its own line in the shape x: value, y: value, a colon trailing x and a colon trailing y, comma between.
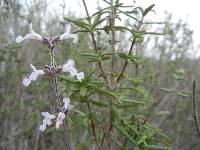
x: 194, y: 109
x: 94, y: 42
x: 130, y: 50
x: 112, y: 21
x: 126, y: 62
x: 92, y: 124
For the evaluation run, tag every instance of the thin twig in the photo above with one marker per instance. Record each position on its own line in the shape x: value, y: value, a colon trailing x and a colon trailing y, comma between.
x: 92, y: 124
x: 130, y: 50
x: 126, y: 62
x: 94, y: 42
x: 112, y: 21
x: 194, y: 109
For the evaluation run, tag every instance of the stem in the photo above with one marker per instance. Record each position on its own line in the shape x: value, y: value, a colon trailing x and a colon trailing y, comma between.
x: 94, y: 42
x: 126, y: 62
x: 194, y: 109
x: 92, y: 124
x: 68, y: 144
x: 112, y: 21
x: 130, y: 51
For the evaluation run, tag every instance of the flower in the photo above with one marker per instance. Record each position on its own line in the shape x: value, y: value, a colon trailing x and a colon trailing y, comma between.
x: 67, y: 35
x: 46, y: 121
x: 69, y: 67
x: 80, y: 76
x: 31, y: 35
x: 59, y: 119
x: 67, y: 105
x: 33, y: 75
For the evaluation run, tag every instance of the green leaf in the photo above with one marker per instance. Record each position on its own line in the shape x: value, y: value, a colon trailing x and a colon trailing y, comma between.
x: 100, y: 104
x: 96, y: 21
x: 147, y: 10
x: 83, y: 91
x: 85, y: 122
x: 79, y: 23
x: 123, y: 131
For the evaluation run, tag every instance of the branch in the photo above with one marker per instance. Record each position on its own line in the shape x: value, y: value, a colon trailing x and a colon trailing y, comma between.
x: 126, y: 62
x: 94, y: 41
x: 194, y: 109
x: 92, y: 124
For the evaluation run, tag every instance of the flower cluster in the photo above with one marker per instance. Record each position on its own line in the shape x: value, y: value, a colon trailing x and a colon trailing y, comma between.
x: 53, y: 70
x: 58, y: 118
x: 35, y: 36
x: 68, y: 67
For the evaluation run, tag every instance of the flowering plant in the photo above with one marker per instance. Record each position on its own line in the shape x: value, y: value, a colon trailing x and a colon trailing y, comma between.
x: 116, y: 103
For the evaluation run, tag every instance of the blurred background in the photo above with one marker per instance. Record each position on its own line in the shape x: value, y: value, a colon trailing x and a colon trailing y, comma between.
x: 172, y: 62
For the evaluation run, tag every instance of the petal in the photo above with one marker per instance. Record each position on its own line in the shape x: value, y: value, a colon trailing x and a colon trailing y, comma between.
x: 33, y: 76
x: 26, y: 81
x: 68, y: 28
x: 66, y: 102
x: 42, y: 127
x: 58, y: 123
x: 80, y: 76
x: 48, y: 116
x: 19, y: 39
x: 47, y: 121
x: 45, y: 114
x: 31, y: 27
x: 40, y: 72
x: 75, y: 39
x: 61, y: 116
x: 72, y: 71
x: 33, y: 67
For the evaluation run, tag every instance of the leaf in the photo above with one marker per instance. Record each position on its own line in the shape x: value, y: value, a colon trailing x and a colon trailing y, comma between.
x: 121, y: 28
x: 83, y: 91
x: 155, y: 147
x: 100, y: 104
x: 85, y: 122
x: 123, y: 131
x: 79, y: 23
x: 160, y: 113
x: 147, y: 10
x: 96, y: 21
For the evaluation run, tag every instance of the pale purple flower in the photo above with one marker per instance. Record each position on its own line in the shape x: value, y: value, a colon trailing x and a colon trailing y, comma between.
x: 67, y: 35
x: 69, y: 67
x: 34, y: 75
x: 31, y: 35
x: 46, y: 121
x: 67, y: 105
x: 59, y: 119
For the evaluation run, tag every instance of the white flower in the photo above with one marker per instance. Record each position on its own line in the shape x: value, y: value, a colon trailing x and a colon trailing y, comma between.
x: 80, y: 76
x: 67, y: 35
x: 31, y: 35
x: 33, y: 75
x: 67, y: 105
x: 59, y: 119
x: 69, y: 67
x: 47, y: 120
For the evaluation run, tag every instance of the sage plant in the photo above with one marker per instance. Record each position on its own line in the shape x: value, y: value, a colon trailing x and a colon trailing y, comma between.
x: 116, y: 114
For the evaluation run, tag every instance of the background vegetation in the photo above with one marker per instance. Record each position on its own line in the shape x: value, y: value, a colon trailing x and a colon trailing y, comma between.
x: 165, y: 79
